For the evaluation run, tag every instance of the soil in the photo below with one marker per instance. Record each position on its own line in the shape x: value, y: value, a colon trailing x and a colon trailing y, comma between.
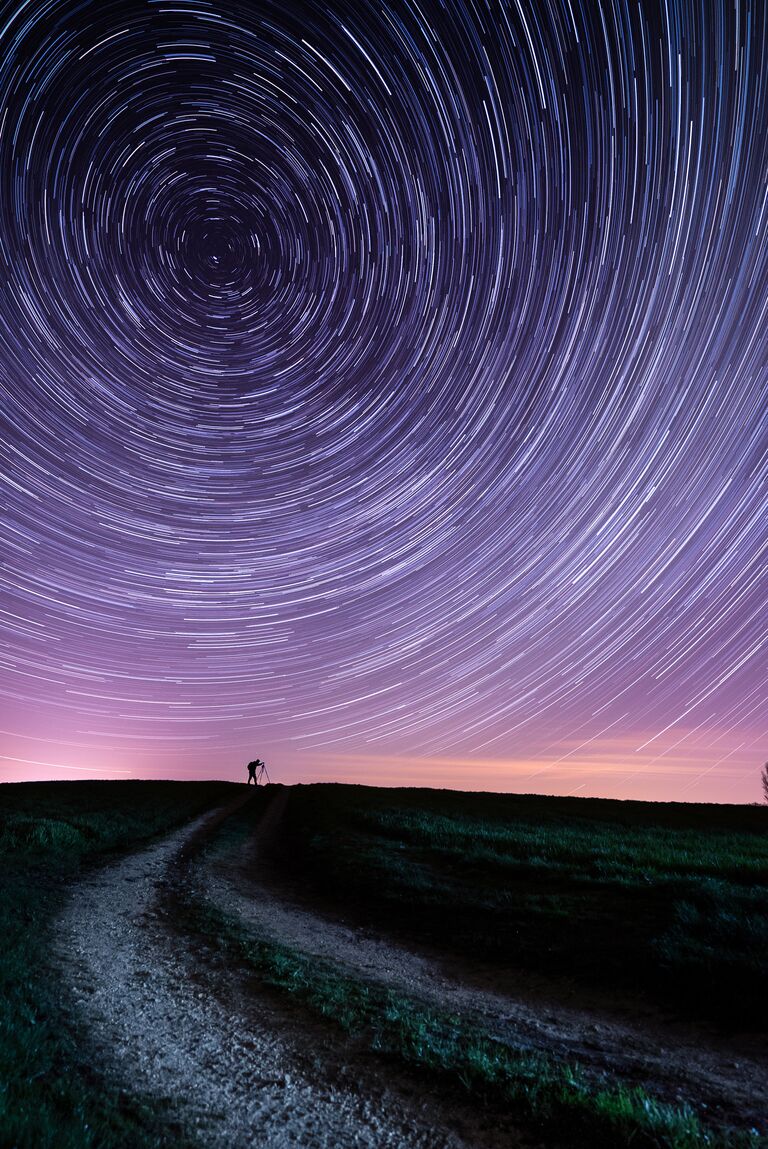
x: 231, y: 1062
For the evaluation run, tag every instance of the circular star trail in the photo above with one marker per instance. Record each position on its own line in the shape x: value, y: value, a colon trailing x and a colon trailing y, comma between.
x: 384, y: 376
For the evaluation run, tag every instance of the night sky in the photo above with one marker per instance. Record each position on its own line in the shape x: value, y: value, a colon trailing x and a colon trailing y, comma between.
x: 384, y: 392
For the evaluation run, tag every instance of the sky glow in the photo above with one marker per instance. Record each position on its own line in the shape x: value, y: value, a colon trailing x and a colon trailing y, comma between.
x: 383, y: 392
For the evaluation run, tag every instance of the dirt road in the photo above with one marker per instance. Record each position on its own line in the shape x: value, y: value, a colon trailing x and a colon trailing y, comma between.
x: 236, y: 1068
x: 723, y: 1076
x: 228, y: 1065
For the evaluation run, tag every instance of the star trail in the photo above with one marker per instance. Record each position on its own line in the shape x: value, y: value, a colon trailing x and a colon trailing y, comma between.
x: 384, y: 389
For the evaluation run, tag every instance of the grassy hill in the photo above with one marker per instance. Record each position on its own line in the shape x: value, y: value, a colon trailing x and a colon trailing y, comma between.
x: 659, y: 900
x: 665, y: 899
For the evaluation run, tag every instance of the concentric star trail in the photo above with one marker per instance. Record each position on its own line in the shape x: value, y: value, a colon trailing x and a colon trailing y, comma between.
x: 384, y: 379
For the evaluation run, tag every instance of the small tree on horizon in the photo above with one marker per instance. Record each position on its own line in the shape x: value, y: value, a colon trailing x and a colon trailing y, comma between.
x: 764, y: 780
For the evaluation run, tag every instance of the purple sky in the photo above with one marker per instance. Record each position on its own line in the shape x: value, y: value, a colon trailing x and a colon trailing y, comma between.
x: 384, y: 392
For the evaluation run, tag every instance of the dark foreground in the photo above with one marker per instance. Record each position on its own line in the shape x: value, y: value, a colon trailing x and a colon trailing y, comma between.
x: 661, y: 904
x: 664, y: 899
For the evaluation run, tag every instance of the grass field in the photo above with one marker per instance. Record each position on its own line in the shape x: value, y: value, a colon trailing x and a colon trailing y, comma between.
x: 638, y: 895
x: 48, y: 833
x: 664, y: 899
x: 655, y: 899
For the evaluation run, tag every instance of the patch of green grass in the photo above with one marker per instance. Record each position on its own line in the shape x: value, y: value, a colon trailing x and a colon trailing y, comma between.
x: 49, y: 1095
x: 607, y: 852
x: 662, y: 898
x: 553, y: 1097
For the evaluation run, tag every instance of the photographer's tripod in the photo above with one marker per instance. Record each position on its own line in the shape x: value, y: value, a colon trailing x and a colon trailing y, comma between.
x: 257, y: 772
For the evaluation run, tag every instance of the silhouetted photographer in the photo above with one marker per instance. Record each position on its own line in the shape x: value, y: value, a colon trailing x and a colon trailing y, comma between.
x: 257, y: 772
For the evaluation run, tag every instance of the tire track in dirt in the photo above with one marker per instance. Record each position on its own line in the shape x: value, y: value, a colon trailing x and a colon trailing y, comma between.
x: 675, y: 1061
x: 225, y: 1063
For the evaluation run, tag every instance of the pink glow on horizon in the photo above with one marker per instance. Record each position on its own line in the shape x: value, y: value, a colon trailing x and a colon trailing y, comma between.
x: 608, y: 768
